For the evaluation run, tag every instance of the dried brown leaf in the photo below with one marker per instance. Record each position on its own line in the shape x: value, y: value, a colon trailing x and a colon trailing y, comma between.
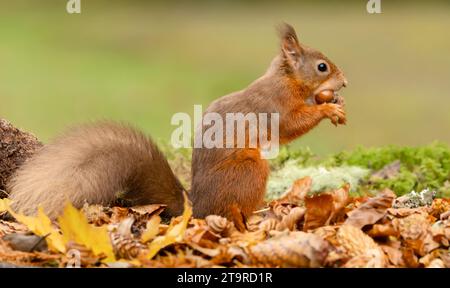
x: 218, y: 224
x: 372, y: 210
x: 354, y: 241
x: 383, y: 230
x: 319, y: 209
x: 297, y: 192
x: 126, y: 246
x: 269, y: 224
x: 394, y: 255
x: 415, y: 231
x: 296, y: 249
x: 291, y: 221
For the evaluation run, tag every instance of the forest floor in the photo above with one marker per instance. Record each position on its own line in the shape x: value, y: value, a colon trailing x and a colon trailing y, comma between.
x: 378, y: 207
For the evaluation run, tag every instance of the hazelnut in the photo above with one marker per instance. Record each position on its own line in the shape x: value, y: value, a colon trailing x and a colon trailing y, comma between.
x: 324, y: 96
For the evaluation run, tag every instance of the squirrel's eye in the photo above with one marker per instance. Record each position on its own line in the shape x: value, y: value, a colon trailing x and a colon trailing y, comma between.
x: 322, y: 67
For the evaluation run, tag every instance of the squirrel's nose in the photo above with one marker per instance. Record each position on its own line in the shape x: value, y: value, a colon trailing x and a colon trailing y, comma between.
x: 345, y: 82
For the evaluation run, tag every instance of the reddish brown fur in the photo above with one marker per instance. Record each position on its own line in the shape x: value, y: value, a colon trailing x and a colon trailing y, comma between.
x: 227, y: 178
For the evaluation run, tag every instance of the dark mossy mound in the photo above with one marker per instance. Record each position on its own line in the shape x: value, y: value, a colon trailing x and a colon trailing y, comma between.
x: 15, y: 147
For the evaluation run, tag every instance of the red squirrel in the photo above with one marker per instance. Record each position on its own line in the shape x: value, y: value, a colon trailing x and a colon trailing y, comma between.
x: 99, y: 163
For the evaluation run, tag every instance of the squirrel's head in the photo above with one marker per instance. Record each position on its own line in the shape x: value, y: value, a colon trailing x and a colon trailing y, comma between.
x: 308, y: 66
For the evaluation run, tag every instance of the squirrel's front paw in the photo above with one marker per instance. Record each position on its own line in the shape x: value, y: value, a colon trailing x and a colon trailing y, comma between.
x: 334, y: 112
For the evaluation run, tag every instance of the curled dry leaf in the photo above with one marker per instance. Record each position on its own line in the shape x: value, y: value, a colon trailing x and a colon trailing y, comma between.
x: 383, y: 230
x: 269, y: 224
x: 441, y: 232
x: 415, y: 231
x: 247, y: 238
x: 373, y: 258
x: 404, y: 212
x: 96, y: 214
x: 435, y: 259
x: 439, y: 207
x: 356, y: 243
x: 394, y: 255
x: 319, y: 210
x: 340, y: 198
x: 126, y: 246
x: 372, y: 210
x: 323, y: 208
x: 296, y: 249
x: 11, y: 227
x: 291, y: 220
x: 218, y: 224
x: 151, y: 209
x: 445, y: 215
x: 174, y: 233
x: 297, y: 193
x: 281, y: 209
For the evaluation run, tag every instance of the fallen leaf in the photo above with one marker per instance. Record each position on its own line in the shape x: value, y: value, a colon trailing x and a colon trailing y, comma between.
x: 383, y: 230
x: 148, y: 209
x: 394, y: 256
x: 373, y: 258
x: 76, y: 228
x: 415, y: 231
x: 354, y: 241
x: 4, y: 204
x: 218, y: 224
x: 410, y: 259
x: 319, y: 209
x: 297, y: 192
x: 174, y: 233
x: 151, y: 230
x: 340, y: 197
x: 126, y: 246
x: 296, y: 249
x: 41, y: 225
x: 372, y: 210
x: 291, y: 220
x: 404, y: 212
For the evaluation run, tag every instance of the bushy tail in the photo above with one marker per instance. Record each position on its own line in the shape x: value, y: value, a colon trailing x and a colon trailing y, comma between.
x: 96, y: 163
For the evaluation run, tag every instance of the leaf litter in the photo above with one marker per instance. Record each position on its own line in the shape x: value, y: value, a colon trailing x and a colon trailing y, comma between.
x: 299, y: 229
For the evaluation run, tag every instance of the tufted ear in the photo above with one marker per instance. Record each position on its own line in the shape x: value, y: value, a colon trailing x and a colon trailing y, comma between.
x: 290, y: 47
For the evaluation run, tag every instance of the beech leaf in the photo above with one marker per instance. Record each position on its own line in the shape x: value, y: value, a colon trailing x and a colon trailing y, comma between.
x: 372, y: 210
x: 174, y: 233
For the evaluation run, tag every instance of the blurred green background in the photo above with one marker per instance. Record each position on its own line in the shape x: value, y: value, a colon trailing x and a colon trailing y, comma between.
x: 141, y: 62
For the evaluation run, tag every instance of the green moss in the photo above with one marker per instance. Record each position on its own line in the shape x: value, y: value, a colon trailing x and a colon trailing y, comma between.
x: 421, y: 167
x: 323, y: 178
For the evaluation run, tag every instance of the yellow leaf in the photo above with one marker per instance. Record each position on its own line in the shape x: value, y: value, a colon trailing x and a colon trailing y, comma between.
x: 174, y: 233
x: 4, y: 205
x: 151, y: 230
x: 76, y: 228
x: 41, y: 225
